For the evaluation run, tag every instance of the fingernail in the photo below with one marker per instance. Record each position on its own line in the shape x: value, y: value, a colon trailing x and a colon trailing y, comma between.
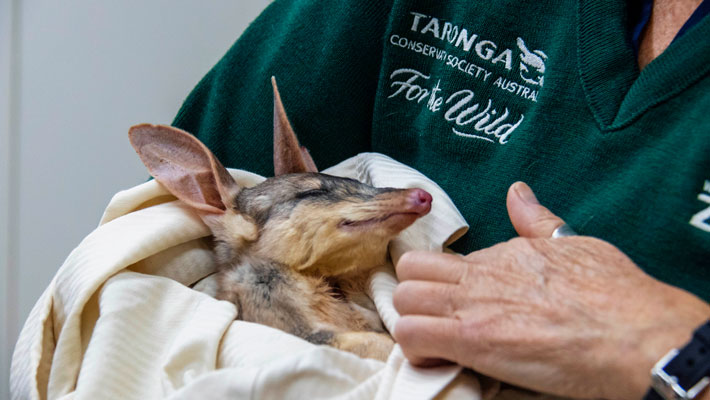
x: 525, y: 193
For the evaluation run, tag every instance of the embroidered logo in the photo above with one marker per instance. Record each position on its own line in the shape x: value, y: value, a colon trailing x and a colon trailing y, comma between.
x: 701, y: 220
x: 470, y: 117
x: 531, y: 59
x: 486, y: 54
x: 514, y: 69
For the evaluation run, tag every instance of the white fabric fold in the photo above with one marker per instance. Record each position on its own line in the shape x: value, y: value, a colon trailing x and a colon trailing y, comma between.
x: 119, y: 319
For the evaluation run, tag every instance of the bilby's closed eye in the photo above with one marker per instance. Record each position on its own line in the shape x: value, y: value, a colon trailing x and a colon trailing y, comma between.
x: 311, y: 193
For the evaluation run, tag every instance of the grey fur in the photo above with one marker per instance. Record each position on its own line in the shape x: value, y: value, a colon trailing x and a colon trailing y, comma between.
x: 278, y: 196
x: 264, y: 291
x: 271, y: 293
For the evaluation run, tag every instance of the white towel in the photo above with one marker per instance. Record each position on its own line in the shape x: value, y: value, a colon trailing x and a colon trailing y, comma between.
x: 119, y: 320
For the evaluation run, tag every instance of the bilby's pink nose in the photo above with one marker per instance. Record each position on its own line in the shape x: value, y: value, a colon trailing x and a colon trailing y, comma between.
x: 419, y: 201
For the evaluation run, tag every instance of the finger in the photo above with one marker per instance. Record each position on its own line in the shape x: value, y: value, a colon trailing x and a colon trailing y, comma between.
x: 429, y: 266
x: 424, y: 298
x: 426, y: 337
x: 529, y: 218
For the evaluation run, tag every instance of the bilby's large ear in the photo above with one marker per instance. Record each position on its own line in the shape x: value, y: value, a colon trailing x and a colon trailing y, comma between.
x: 289, y: 156
x: 185, y: 166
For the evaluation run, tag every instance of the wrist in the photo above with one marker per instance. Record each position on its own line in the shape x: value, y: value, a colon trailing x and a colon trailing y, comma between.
x: 631, y: 348
x: 672, y: 327
x: 705, y: 395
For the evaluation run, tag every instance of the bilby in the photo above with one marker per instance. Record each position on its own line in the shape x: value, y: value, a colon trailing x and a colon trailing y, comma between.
x: 294, y: 251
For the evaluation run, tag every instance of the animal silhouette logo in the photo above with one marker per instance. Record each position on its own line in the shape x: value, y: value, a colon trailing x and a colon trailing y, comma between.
x: 532, y: 64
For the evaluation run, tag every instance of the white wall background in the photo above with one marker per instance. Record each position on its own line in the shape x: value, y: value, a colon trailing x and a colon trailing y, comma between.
x: 74, y: 76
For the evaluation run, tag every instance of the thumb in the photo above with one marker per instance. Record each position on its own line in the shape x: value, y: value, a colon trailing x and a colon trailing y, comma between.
x: 529, y: 218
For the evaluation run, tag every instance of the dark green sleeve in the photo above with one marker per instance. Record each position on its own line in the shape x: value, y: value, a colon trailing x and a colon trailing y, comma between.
x: 325, y: 56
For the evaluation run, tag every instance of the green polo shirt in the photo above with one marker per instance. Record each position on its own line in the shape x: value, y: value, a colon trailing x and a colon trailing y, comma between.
x: 478, y: 95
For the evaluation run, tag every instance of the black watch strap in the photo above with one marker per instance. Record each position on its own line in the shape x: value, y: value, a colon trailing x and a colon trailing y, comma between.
x: 690, y: 365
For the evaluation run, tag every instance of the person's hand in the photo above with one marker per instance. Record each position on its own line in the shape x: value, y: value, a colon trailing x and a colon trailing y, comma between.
x: 571, y: 316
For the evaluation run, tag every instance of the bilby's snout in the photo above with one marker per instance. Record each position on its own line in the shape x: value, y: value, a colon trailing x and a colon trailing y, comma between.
x: 418, y: 201
x: 393, y: 210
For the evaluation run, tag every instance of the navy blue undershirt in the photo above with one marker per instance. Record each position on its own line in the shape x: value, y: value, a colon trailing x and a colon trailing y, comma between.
x: 640, y: 13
